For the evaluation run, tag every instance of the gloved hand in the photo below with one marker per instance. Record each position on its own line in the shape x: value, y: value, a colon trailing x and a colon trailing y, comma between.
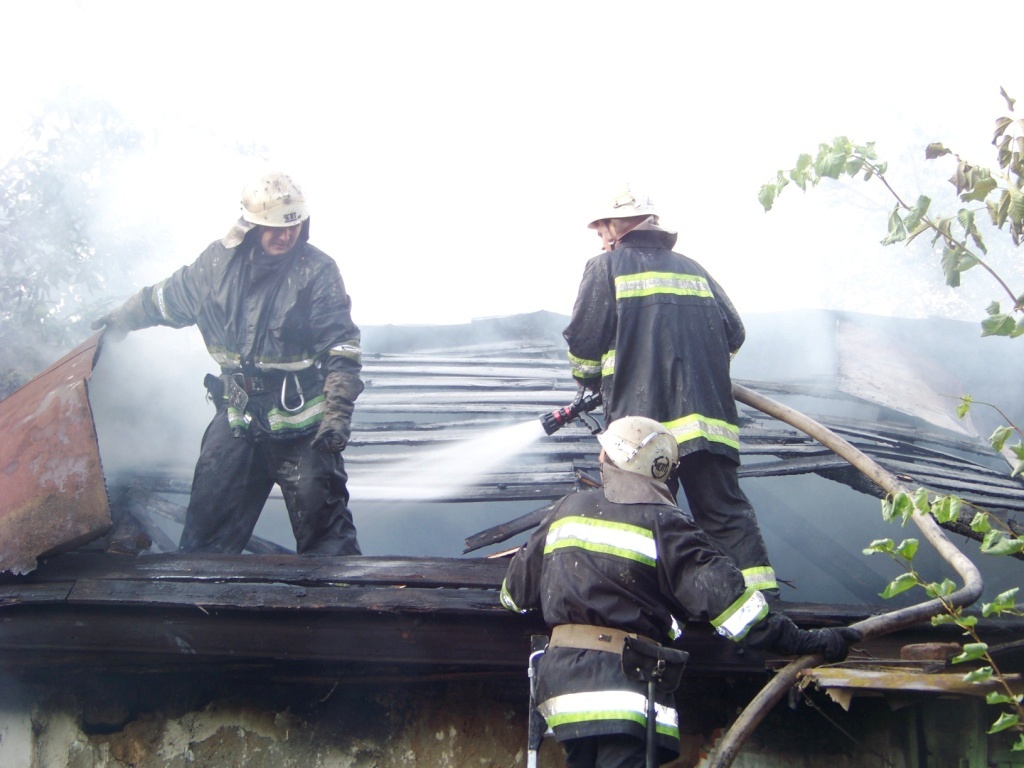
x: 340, y: 392
x: 117, y: 323
x: 833, y: 644
x: 778, y: 633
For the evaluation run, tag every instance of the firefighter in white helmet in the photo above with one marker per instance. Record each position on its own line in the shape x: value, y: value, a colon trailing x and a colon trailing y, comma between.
x: 276, y: 318
x: 654, y: 333
x: 624, y: 561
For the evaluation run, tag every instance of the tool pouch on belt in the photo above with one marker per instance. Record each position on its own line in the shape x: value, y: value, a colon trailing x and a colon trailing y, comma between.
x: 648, y: 661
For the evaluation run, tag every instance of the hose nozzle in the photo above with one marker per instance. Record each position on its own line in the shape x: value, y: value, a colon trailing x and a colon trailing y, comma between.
x: 577, y: 409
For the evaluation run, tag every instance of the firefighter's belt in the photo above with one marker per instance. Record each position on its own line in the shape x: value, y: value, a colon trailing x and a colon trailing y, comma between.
x: 591, y: 638
x: 270, y: 381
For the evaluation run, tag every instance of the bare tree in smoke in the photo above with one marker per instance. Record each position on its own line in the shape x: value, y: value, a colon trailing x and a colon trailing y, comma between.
x: 53, y: 263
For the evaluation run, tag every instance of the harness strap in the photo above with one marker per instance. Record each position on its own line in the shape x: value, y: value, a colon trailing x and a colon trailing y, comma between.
x: 591, y: 638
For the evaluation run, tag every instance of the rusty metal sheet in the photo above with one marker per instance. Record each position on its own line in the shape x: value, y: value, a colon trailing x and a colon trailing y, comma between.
x: 52, y: 492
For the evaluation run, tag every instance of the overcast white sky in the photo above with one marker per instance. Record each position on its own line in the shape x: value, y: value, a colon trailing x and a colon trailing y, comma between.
x: 452, y: 151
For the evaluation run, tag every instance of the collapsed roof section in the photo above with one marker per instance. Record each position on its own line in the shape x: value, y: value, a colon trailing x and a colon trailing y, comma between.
x: 51, y: 481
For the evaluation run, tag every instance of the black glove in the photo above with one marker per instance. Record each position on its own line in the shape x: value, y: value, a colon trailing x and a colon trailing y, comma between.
x: 833, y: 644
x: 117, y: 323
x: 340, y: 392
x: 778, y: 633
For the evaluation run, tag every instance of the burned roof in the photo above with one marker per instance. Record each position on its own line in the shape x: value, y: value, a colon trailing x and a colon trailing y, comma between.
x: 440, y: 489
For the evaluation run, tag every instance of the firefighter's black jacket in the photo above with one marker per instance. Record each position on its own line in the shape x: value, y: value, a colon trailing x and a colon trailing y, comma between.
x: 267, y: 316
x: 626, y: 557
x: 654, y: 331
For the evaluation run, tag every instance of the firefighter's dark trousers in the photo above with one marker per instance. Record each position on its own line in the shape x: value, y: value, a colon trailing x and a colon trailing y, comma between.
x: 234, y: 476
x: 614, y: 751
x: 711, y: 485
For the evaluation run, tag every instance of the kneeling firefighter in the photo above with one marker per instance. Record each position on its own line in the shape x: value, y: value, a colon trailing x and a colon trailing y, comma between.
x: 275, y: 315
x: 620, y: 566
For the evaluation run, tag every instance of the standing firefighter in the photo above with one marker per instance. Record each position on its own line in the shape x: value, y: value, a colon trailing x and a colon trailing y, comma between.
x: 624, y: 561
x: 654, y: 333
x: 275, y: 316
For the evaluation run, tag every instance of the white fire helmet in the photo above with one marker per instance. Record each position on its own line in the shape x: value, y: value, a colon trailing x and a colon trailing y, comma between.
x: 641, y: 445
x: 625, y: 205
x: 274, y: 200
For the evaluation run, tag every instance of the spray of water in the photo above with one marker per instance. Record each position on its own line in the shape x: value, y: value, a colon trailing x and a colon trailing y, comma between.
x: 441, y: 472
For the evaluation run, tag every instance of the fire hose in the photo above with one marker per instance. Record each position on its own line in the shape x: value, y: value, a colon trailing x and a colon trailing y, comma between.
x: 874, y: 626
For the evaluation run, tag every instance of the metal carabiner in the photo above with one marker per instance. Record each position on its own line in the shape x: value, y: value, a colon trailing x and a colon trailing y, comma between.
x: 298, y: 391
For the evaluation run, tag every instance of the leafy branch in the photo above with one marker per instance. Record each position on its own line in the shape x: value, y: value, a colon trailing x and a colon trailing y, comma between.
x: 963, y: 245
x: 944, y: 508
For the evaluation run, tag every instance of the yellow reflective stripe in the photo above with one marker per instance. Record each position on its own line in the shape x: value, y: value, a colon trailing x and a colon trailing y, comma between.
x: 506, y: 599
x: 695, y: 426
x: 739, y: 617
x: 588, y: 706
x: 583, y: 368
x: 608, y: 363
x: 652, y: 283
x: 311, y: 412
x: 619, y: 539
x: 761, y: 577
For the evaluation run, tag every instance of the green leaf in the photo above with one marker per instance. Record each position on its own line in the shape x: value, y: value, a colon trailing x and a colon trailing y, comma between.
x: 980, y: 523
x: 918, y: 212
x: 831, y: 162
x: 880, y: 545
x: 1006, y: 720
x: 943, y: 588
x: 979, y: 191
x: 943, y: 618
x: 901, y: 583
x: 971, y: 652
x: 1018, y: 746
x: 994, y: 697
x: 921, y: 500
x: 947, y: 509
x: 998, y: 543
x: 998, y: 438
x: 979, y: 675
x: 888, y: 510
x: 1004, y: 601
x: 951, y: 267
x: 767, y: 196
x: 902, y: 506
x: 907, y: 549
x: 998, y: 325
x: 897, y: 228
x: 935, y: 150
x: 965, y: 406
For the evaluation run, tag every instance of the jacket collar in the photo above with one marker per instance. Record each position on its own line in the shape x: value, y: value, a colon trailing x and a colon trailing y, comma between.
x: 649, y: 235
x: 630, y: 488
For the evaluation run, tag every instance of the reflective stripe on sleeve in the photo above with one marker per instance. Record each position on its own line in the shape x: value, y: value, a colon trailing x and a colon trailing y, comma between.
x: 653, y: 283
x: 739, y: 617
x: 506, y: 599
x: 760, y: 577
x: 619, y: 539
x: 573, y: 708
x: 608, y: 363
x: 696, y: 426
x: 584, y: 369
